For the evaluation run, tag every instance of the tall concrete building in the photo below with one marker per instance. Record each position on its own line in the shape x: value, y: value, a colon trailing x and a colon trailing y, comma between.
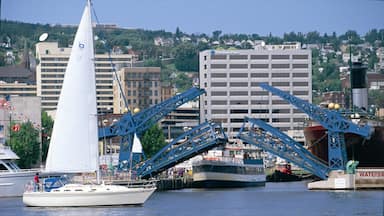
x: 19, y: 109
x: 141, y: 87
x: 180, y: 120
x: 20, y: 89
x: 231, y: 79
x: 50, y: 69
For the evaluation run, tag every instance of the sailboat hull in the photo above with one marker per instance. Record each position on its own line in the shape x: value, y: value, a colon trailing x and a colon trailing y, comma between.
x: 88, y: 195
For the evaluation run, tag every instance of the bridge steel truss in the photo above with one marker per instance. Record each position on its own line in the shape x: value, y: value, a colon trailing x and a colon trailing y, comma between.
x: 333, y: 121
x: 193, y: 142
x: 280, y: 144
x: 130, y: 124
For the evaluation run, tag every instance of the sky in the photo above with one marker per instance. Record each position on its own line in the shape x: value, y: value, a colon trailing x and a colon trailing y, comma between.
x: 205, y: 16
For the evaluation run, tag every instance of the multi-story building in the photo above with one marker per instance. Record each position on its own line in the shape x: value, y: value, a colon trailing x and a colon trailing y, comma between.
x: 20, y: 89
x: 231, y: 79
x: 180, y: 120
x: 18, y: 109
x: 52, y: 62
x: 141, y: 87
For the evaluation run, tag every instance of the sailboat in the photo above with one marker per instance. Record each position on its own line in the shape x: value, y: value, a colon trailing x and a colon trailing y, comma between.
x: 74, y: 142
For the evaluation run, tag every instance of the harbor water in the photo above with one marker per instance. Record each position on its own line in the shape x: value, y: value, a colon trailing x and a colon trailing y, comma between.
x: 278, y: 199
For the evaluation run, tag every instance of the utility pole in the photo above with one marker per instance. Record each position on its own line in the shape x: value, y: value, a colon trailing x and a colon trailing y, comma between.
x: 350, y: 73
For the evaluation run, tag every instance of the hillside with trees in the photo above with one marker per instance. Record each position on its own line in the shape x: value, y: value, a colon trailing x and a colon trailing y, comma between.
x: 183, y: 49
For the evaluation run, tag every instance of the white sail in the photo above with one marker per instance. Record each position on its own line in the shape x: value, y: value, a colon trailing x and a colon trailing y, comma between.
x: 73, y: 146
x: 137, y: 147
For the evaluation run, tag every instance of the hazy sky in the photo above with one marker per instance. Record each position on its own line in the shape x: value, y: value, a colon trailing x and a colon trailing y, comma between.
x: 206, y: 16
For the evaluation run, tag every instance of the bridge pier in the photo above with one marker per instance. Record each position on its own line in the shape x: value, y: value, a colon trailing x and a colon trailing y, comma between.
x: 337, y: 180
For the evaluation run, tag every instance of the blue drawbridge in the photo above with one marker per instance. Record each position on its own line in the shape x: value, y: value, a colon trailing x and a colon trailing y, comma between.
x: 193, y: 142
x: 130, y: 124
x: 261, y: 134
x: 333, y: 121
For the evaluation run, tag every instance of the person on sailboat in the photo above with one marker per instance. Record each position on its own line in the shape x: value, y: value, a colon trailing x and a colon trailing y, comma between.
x: 36, y: 182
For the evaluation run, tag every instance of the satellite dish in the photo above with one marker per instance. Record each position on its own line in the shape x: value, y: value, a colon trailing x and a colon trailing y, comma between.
x: 43, y: 37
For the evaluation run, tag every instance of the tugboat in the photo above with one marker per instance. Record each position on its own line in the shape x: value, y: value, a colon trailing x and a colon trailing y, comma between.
x: 283, y: 173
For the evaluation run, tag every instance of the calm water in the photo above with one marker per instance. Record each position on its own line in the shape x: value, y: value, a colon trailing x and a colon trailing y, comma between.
x: 275, y: 199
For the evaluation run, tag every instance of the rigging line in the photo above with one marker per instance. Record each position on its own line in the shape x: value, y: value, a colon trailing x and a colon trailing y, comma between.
x: 111, y: 62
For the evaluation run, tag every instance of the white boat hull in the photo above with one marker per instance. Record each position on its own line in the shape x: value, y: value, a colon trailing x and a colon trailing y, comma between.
x: 13, y: 184
x: 88, y: 195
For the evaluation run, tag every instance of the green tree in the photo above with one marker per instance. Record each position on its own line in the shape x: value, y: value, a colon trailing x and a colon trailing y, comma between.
x: 183, y: 82
x: 153, y: 140
x: 25, y: 143
x: 216, y: 34
x: 376, y: 97
x: 46, y: 131
x: 186, y: 57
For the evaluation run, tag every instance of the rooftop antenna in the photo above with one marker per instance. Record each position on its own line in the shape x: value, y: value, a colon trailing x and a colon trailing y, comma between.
x: 0, y: 15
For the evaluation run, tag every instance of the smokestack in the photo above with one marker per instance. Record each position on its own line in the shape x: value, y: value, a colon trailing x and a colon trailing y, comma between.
x: 359, y: 85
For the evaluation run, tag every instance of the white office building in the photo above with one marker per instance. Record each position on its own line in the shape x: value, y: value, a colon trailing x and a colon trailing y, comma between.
x: 231, y: 79
x: 50, y: 69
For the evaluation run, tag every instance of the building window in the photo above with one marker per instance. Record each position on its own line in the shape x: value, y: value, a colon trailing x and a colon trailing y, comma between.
x: 239, y: 111
x: 219, y: 93
x: 280, y: 74
x: 280, y: 56
x: 260, y: 102
x: 219, y: 111
x: 205, y: 67
x: 300, y: 92
x: 205, y: 58
x: 239, y: 102
x: 280, y: 83
x: 259, y: 56
x: 238, y: 75
x: 259, y: 66
x: 218, y: 66
x: 238, y: 93
x: 255, y: 83
x: 219, y: 102
x: 280, y: 111
x: 238, y: 66
x: 260, y: 75
x: 236, y: 120
x: 300, y: 74
x: 264, y: 111
x: 279, y: 102
x: 219, y: 84
x: 280, y: 66
x: 299, y: 65
x: 259, y: 93
x: 238, y: 84
x: 218, y: 57
x: 300, y: 56
x: 218, y: 75
x: 300, y: 84
x: 238, y: 57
